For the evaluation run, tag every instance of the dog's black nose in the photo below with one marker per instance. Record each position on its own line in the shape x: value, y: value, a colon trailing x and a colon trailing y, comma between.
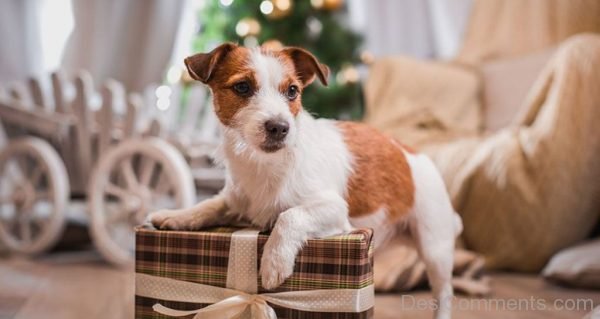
x: 277, y: 129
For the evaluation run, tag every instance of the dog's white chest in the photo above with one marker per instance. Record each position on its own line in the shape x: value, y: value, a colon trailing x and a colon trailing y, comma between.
x: 260, y: 196
x: 265, y: 185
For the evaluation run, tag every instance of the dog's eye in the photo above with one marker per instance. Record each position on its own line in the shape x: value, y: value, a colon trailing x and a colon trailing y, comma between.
x: 242, y: 88
x: 292, y: 92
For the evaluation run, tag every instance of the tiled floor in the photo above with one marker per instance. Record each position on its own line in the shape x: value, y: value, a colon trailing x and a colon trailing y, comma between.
x: 81, y: 285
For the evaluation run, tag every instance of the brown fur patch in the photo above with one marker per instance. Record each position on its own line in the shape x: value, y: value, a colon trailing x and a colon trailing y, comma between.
x: 295, y: 105
x: 307, y: 66
x: 230, y: 70
x: 381, y: 178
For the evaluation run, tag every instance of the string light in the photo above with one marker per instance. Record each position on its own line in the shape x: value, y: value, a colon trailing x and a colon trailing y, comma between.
x: 283, y: 5
x: 163, y: 91
x: 266, y: 7
x: 348, y: 75
x: 314, y: 27
x: 318, y: 4
x: 329, y: 5
x: 242, y: 29
x: 163, y: 104
x: 277, y: 9
x: 247, y: 27
x: 174, y: 74
x: 163, y: 94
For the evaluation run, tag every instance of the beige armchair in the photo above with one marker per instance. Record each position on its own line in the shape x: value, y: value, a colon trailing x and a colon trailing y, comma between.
x: 513, y: 124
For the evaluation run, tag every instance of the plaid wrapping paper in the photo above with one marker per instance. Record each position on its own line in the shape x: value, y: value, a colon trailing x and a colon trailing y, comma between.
x: 340, y: 262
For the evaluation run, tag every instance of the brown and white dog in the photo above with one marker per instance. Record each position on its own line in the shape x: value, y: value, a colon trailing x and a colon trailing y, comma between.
x: 306, y: 178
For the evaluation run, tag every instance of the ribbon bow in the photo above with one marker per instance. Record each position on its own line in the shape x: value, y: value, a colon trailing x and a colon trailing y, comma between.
x: 232, y: 307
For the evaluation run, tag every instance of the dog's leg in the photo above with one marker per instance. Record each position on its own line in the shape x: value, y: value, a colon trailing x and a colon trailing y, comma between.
x: 436, y: 249
x: 206, y: 213
x: 323, y: 216
x: 433, y: 229
x: 434, y: 226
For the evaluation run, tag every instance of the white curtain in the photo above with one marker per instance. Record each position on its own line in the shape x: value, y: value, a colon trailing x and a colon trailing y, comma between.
x: 20, y: 42
x: 421, y: 28
x: 128, y: 40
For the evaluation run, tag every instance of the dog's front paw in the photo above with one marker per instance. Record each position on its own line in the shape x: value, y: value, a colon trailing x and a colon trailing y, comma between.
x: 158, y: 217
x: 275, y: 269
x: 170, y: 219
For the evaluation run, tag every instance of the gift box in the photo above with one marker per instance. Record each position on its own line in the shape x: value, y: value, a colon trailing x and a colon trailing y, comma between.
x: 214, y: 274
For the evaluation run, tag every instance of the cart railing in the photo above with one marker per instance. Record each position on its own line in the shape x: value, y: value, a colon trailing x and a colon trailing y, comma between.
x: 77, y: 121
x: 82, y: 124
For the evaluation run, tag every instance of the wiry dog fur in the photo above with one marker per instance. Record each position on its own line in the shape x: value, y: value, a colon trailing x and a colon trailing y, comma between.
x: 322, y: 178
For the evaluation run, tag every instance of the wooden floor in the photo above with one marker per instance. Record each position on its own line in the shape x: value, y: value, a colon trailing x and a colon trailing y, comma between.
x: 81, y: 285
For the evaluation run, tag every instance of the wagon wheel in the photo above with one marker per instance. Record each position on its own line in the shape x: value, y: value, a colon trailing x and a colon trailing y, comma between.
x: 132, y: 179
x: 34, y: 190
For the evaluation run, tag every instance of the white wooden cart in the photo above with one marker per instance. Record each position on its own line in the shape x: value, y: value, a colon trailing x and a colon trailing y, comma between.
x: 120, y: 153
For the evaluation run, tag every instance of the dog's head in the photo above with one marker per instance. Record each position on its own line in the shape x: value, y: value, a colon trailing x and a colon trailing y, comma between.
x: 257, y: 92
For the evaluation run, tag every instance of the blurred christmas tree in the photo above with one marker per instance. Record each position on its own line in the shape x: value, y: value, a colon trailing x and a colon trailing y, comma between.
x: 316, y: 25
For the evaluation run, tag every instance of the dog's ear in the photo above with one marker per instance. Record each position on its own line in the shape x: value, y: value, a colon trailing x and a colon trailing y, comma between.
x: 201, y: 66
x: 307, y: 66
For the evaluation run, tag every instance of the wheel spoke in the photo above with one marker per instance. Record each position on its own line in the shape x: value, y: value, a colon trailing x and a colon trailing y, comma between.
x: 129, y: 175
x: 148, y: 167
x: 117, y: 191
x: 117, y: 217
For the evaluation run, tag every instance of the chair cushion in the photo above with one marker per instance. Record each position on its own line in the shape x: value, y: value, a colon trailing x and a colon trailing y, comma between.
x: 505, y: 86
x: 420, y: 101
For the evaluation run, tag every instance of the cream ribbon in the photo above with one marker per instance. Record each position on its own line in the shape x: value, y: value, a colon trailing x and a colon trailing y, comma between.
x: 240, y: 300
